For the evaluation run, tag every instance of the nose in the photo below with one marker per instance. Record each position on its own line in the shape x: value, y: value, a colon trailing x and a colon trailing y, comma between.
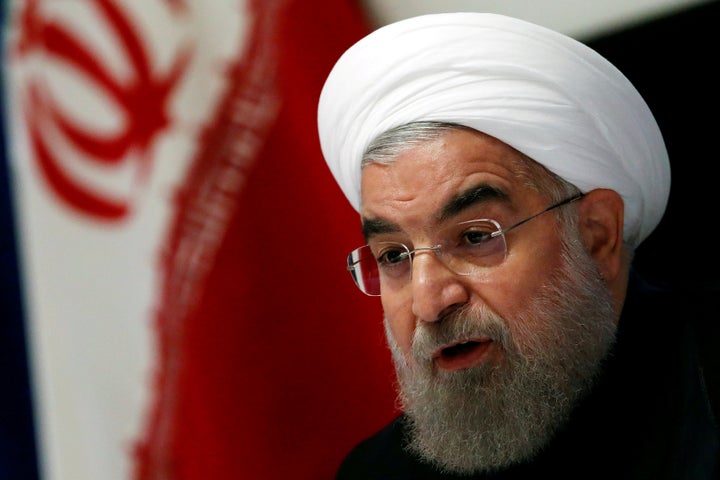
x: 435, y: 288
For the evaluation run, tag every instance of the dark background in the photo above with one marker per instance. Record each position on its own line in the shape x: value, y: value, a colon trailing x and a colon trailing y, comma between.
x: 673, y: 62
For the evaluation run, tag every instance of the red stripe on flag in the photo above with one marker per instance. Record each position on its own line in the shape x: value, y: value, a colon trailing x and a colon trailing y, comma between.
x: 272, y: 364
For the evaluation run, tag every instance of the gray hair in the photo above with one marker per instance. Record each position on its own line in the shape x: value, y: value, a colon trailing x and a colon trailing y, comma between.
x: 388, y: 145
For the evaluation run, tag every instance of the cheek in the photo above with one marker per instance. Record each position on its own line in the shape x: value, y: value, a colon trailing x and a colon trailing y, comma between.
x: 521, y: 277
x: 401, y: 322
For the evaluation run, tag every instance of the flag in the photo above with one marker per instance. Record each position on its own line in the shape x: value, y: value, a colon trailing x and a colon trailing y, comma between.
x: 182, y: 241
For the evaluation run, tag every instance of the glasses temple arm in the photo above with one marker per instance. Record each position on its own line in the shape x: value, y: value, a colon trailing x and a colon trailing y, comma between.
x: 551, y: 207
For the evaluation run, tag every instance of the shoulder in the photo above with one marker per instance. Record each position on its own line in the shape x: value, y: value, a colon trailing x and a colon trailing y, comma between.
x: 373, y: 454
x: 687, y: 313
x: 383, y: 456
x: 703, y: 310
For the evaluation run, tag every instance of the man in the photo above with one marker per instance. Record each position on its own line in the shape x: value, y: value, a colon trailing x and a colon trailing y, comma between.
x: 505, y: 174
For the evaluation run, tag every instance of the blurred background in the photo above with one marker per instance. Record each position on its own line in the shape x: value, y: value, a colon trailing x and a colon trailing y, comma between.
x: 173, y: 297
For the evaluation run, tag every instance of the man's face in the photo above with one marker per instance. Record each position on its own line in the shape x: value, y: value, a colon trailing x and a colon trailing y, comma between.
x: 489, y: 364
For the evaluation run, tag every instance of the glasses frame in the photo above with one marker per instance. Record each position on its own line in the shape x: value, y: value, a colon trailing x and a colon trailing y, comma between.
x: 351, y: 267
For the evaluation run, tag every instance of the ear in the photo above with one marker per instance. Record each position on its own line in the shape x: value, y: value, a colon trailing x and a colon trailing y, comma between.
x: 601, y: 226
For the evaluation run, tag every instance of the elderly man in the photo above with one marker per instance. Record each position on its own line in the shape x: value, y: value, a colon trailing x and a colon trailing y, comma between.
x: 505, y: 174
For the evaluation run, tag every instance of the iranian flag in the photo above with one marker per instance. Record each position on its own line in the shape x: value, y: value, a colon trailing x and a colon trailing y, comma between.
x: 182, y: 243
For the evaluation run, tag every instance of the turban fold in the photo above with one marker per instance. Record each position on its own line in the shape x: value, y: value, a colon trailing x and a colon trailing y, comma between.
x: 541, y: 92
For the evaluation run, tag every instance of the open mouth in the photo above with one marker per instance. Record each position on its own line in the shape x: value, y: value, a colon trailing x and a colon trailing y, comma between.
x: 465, y: 354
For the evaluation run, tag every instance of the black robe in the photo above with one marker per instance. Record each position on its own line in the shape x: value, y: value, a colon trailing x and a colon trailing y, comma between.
x: 649, y: 416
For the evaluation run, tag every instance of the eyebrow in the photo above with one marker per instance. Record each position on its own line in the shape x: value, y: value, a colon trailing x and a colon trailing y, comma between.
x: 375, y: 226
x: 457, y: 204
x: 469, y: 198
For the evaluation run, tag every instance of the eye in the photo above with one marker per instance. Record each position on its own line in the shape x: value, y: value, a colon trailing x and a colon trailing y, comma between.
x: 475, y: 240
x: 477, y: 234
x: 391, y: 255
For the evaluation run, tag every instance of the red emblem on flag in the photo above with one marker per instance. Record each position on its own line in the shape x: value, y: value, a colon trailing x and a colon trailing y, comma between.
x: 140, y: 102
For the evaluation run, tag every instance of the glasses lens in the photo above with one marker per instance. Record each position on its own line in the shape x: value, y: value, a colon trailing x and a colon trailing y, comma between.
x: 471, y: 246
x: 382, y: 262
x: 364, y: 271
x: 467, y: 248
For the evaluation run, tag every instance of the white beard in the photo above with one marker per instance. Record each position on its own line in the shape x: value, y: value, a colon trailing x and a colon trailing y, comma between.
x: 491, y: 416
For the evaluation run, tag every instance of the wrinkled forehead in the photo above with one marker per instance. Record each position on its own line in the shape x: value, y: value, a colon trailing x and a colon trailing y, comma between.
x: 457, y: 173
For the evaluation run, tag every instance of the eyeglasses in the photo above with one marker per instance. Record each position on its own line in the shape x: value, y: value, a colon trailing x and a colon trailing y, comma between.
x: 465, y: 248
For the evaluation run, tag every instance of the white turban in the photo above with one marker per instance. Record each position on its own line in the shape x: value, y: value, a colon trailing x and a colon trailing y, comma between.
x: 541, y: 92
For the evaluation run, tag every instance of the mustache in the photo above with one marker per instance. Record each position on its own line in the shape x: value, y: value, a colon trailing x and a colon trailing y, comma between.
x: 465, y: 323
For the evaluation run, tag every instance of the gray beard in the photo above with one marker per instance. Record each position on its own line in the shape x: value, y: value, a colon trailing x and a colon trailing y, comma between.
x: 494, y: 415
